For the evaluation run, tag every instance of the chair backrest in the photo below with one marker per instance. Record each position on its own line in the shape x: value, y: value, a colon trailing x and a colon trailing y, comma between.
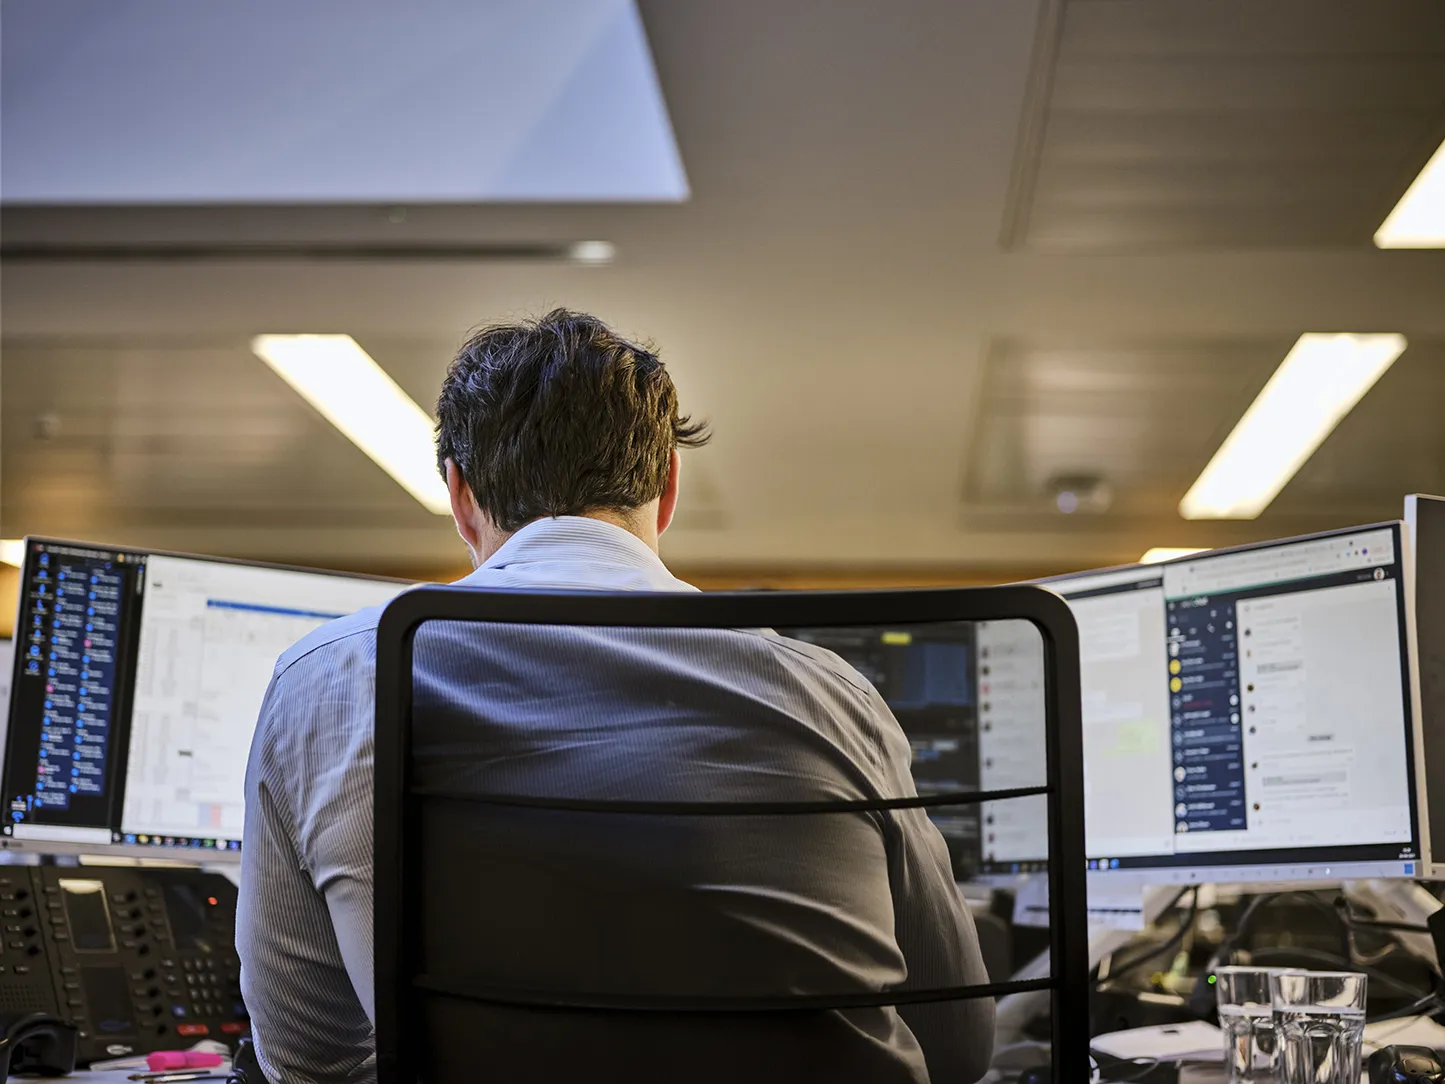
x: 503, y: 917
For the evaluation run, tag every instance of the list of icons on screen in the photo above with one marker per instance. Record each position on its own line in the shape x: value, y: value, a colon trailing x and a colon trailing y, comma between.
x: 1023, y: 867
x: 145, y: 839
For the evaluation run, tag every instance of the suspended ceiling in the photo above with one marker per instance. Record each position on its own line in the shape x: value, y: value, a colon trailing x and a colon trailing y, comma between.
x: 892, y: 375
x: 1180, y: 123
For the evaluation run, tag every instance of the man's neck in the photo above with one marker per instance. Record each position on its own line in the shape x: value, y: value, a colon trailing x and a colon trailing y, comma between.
x: 490, y: 540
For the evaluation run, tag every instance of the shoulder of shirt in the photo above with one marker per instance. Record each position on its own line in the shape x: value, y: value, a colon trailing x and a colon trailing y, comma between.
x: 358, y: 631
x: 353, y: 630
x: 821, y: 657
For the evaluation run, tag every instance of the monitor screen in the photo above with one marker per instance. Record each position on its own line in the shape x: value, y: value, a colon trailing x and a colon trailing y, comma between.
x: 1247, y: 713
x: 137, y: 681
x: 1128, y: 767
x: 970, y: 698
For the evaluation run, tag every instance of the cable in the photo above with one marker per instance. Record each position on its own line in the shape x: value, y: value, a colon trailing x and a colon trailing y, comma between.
x: 1246, y: 921
x: 1226, y: 947
x: 1399, y: 927
x: 1347, y: 913
x: 1384, y: 978
x: 1200, y: 999
x: 1186, y: 924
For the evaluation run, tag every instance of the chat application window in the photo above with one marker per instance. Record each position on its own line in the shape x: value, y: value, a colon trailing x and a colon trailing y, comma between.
x: 1288, y: 712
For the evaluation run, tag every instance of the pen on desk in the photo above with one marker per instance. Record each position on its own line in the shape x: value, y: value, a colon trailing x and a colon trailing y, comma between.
x: 170, y: 1077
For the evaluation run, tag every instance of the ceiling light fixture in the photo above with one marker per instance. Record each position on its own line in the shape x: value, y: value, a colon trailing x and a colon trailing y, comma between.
x: 1318, y: 383
x: 1156, y: 554
x: 1418, y: 220
x: 592, y: 252
x: 351, y: 391
x: 12, y: 551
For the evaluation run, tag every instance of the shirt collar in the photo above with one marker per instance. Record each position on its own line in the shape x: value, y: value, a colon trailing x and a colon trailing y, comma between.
x: 580, y: 542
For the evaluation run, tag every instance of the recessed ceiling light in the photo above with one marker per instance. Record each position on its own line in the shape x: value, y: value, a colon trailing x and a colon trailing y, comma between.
x: 1156, y: 554
x: 1418, y: 220
x: 1318, y: 383
x: 12, y: 551
x: 594, y: 252
x: 340, y: 379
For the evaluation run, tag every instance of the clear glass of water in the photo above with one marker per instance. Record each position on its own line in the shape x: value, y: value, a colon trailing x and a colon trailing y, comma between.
x: 1319, y: 1017
x: 1246, y: 1016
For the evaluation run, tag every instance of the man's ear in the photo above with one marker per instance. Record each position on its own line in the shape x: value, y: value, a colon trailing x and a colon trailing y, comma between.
x: 667, y: 505
x: 465, y: 512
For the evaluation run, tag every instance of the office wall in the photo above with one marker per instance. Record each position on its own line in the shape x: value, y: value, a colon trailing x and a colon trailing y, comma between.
x: 9, y: 598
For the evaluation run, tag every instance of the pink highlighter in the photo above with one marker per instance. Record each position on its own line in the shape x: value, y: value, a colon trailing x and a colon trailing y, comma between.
x: 182, y: 1059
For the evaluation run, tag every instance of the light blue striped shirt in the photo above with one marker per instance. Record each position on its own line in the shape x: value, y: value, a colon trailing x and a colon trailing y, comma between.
x: 808, y: 725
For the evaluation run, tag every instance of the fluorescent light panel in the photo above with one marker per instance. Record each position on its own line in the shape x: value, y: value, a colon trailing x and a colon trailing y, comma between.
x: 12, y: 551
x: 1156, y: 554
x: 1317, y: 384
x: 1418, y: 220
x: 592, y: 252
x: 342, y: 381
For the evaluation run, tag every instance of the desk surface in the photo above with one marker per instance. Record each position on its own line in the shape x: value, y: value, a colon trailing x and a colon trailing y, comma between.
x: 118, y: 1076
x: 121, y: 1076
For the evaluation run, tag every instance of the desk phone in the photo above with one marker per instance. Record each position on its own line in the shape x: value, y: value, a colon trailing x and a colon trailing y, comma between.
x: 138, y: 959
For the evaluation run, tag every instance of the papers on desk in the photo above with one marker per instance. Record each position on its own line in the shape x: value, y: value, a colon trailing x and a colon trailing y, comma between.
x: 1115, y: 907
x: 1195, y: 1041
x: 1111, y: 907
x: 1200, y: 1042
x: 1412, y: 1031
x: 1031, y: 901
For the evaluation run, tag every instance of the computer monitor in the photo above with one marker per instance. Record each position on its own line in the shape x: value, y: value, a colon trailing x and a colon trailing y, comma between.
x: 136, y: 684
x: 1425, y: 524
x: 970, y: 698
x: 1128, y: 767
x: 1248, y: 713
x: 7, y: 655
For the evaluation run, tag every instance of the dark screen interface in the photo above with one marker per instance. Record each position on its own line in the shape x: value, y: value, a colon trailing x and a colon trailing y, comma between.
x: 137, y: 680
x: 188, y: 917
x: 89, y: 918
x: 76, y: 633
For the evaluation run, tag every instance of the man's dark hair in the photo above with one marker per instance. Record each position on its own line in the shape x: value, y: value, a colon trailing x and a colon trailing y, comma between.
x: 559, y: 417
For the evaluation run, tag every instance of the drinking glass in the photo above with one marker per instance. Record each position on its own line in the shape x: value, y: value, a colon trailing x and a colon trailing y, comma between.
x: 1246, y: 1016
x: 1319, y: 1018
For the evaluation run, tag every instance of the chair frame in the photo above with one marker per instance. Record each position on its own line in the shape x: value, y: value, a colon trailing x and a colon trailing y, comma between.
x: 397, y: 931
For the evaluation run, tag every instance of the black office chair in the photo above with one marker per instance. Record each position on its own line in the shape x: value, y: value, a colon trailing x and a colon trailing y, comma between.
x: 503, y: 919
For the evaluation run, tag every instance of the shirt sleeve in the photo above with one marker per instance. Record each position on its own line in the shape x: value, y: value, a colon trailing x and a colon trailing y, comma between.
x: 936, y: 934
x: 303, y: 943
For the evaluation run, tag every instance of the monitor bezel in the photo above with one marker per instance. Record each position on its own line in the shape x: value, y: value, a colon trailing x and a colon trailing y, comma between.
x: 1109, y: 570
x: 162, y: 854
x: 1432, y: 864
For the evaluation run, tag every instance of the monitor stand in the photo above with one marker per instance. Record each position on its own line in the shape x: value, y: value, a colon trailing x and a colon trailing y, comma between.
x: 1013, y: 1012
